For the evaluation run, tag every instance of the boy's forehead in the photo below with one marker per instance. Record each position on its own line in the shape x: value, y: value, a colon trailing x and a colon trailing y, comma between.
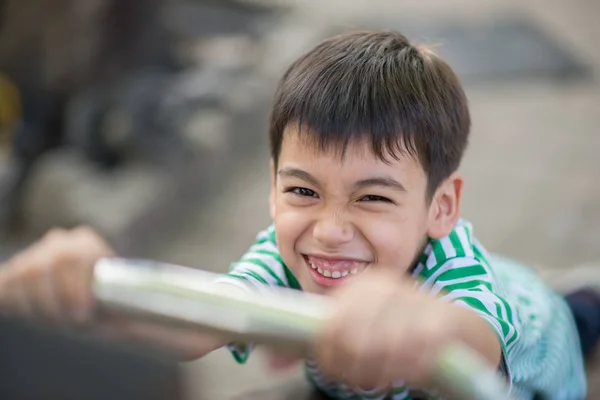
x: 306, y: 145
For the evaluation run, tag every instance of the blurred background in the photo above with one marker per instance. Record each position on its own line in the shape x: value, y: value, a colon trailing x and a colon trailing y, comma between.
x: 147, y: 119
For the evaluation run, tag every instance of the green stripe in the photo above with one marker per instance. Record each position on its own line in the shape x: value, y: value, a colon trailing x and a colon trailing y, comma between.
x: 248, y: 272
x: 424, y: 258
x: 237, y: 276
x: 479, y: 256
x: 240, y: 353
x: 292, y: 281
x: 399, y: 390
x: 276, y: 256
x: 503, y: 323
x: 509, y: 315
x: 463, y: 272
x: 375, y: 395
x: 272, y: 236
x: 498, y: 310
x: 260, y: 263
x: 509, y: 318
x: 505, y: 327
x: 257, y: 277
x: 456, y: 243
x: 478, y: 305
x: 475, y: 303
x: 469, y: 285
x: 262, y: 240
x: 468, y: 232
x: 440, y: 255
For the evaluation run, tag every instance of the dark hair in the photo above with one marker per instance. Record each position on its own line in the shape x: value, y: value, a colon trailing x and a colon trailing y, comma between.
x: 376, y: 86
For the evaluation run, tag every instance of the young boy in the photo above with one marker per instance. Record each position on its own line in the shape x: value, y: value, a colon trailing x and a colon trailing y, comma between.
x: 367, y: 133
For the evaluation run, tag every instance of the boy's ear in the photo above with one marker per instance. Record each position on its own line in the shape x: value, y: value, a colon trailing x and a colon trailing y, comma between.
x: 444, y: 210
x: 273, y: 190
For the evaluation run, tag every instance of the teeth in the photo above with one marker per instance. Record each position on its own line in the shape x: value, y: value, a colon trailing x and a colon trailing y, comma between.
x: 334, y: 274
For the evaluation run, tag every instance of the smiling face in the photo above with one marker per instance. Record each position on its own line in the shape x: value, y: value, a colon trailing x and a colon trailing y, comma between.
x: 335, y: 216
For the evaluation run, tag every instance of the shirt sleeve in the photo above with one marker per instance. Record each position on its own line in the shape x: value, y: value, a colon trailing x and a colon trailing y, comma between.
x: 259, y: 269
x: 468, y: 283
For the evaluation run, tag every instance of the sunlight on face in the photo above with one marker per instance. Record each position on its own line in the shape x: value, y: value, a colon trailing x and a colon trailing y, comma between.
x: 336, y: 217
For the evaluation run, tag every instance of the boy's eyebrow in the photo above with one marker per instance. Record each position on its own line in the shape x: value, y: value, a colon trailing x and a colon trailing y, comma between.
x: 382, y: 181
x: 300, y: 174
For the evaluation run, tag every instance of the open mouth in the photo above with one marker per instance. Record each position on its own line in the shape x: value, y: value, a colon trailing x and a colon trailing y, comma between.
x: 331, y: 271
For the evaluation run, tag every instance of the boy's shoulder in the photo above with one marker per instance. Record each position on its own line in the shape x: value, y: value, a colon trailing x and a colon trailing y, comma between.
x: 267, y: 234
x: 459, y: 244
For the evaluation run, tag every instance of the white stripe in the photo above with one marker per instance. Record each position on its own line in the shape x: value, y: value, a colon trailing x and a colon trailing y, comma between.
x: 244, y: 267
x: 483, y: 315
x: 262, y: 235
x: 265, y: 246
x: 420, y: 267
x: 401, y: 396
x: 431, y: 261
x: 441, y: 285
x: 369, y: 392
x: 481, y: 249
x: 272, y: 263
x: 449, y: 250
x: 464, y: 241
x: 487, y: 299
x: 462, y: 262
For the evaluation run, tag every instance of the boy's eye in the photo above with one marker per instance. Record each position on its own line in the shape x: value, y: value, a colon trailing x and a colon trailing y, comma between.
x: 371, y: 197
x: 300, y: 191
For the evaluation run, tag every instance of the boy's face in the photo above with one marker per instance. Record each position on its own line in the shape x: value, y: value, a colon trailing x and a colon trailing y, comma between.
x: 336, y: 217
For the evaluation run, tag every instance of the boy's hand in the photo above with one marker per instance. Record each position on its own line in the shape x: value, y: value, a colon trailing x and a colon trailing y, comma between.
x: 384, y: 331
x: 52, y: 279
x: 280, y: 362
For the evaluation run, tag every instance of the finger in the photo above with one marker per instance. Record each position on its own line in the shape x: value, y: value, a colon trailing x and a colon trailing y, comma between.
x: 74, y: 275
x: 5, y: 284
x: 15, y: 295
x: 18, y: 303
x: 328, y: 352
x: 280, y: 362
x: 39, y: 289
x: 393, y: 360
x: 370, y: 351
x: 342, y: 344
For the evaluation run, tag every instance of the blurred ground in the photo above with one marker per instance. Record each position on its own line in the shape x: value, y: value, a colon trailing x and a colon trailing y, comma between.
x: 531, y: 169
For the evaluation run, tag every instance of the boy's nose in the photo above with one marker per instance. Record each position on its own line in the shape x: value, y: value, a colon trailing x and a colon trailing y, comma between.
x: 331, y: 230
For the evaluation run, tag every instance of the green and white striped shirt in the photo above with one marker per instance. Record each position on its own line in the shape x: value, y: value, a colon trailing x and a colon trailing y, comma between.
x: 536, y: 329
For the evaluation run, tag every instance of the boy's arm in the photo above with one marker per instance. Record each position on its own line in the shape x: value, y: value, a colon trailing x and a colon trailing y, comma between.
x: 51, y: 280
x: 478, y: 334
x: 485, y: 320
x: 258, y: 270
